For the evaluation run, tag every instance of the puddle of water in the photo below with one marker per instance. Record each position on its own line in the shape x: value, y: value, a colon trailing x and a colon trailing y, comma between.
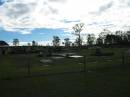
x: 45, y: 60
x: 64, y: 54
x: 57, y: 57
x: 76, y: 56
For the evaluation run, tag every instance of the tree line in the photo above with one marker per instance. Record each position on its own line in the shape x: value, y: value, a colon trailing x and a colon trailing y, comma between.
x: 106, y: 37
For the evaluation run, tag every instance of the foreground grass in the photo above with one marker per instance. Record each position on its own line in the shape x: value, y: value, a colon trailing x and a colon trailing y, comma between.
x: 103, y: 79
x: 96, y: 84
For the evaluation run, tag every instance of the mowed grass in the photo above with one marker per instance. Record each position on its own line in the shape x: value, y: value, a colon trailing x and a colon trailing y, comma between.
x: 106, y: 76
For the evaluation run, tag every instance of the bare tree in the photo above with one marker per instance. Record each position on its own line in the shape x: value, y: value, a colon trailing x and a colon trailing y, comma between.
x: 77, y: 30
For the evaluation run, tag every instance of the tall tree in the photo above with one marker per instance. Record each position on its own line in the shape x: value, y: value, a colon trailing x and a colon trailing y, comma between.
x: 90, y: 39
x: 77, y: 40
x: 34, y: 43
x: 119, y: 37
x: 67, y: 42
x: 99, y: 41
x: 15, y: 42
x: 56, y: 41
x: 128, y: 35
x: 111, y: 39
x: 77, y: 30
x: 103, y: 35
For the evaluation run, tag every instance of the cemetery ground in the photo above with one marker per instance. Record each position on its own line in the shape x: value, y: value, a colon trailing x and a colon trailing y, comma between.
x: 105, y: 76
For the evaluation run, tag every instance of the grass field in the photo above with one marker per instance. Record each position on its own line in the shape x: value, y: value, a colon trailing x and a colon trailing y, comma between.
x: 106, y: 76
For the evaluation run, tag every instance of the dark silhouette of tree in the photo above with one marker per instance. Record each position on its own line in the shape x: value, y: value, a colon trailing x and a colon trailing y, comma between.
x: 15, y: 42
x: 56, y: 41
x: 103, y: 35
x: 99, y: 41
x: 119, y: 33
x: 90, y: 39
x: 110, y: 39
x: 117, y: 38
x: 77, y: 40
x: 128, y: 35
x: 77, y: 30
x: 28, y: 44
x: 67, y: 42
x: 125, y: 39
x: 34, y: 43
x: 121, y: 37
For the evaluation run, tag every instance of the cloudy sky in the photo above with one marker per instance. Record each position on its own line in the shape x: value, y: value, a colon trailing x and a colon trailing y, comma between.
x: 40, y: 20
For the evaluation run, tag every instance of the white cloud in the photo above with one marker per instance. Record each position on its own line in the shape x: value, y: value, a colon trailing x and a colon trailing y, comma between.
x: 25, y: 43
x: 25, y: 15
x: 21, y: 43
x: 45, y: 43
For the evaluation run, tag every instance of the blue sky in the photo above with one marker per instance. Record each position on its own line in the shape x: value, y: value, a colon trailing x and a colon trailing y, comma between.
x: 40, y: 20
x: 40, y: 35
x: 37, y: 34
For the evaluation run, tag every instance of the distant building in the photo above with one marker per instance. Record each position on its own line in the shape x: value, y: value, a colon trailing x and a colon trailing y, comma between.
x: 3, y: 43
